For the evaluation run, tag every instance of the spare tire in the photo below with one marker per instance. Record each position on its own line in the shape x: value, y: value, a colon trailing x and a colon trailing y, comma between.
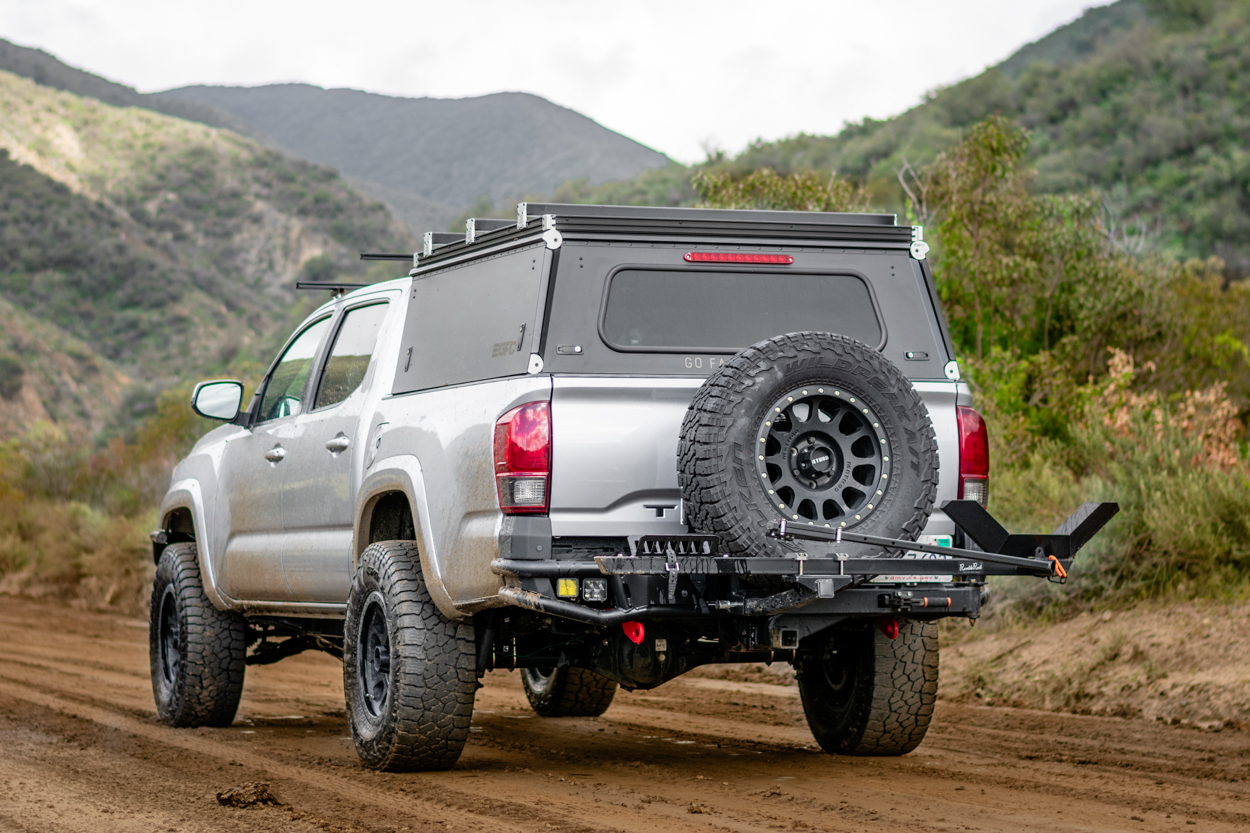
x: 815, y: 428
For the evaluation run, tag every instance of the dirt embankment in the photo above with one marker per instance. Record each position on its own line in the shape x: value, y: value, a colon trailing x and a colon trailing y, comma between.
x: 1179, y: 664
x: 720, y: 749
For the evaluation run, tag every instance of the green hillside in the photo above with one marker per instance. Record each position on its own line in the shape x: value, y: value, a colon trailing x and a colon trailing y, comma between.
x: 1147, y: 102
x: 427, y: 159
x: 48, y: 375
x: 168, y: 246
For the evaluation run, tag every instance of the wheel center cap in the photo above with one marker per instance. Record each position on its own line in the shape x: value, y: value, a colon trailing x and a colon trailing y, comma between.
x: 814, y: 460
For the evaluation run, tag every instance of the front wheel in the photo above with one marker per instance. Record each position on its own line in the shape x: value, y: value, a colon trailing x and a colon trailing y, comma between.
x: 409, y: 672
x: 567, y: 692
x: 867, y: 694
x: 198, y: 653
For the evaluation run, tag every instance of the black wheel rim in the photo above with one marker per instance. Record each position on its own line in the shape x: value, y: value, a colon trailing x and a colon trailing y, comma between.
x: 822, y: 457
x: 375, y: 659
x: 838, y: 675
x: 170, y: 633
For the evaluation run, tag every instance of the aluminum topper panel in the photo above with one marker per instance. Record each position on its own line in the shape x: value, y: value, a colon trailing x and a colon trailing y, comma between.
x: 472, y: 322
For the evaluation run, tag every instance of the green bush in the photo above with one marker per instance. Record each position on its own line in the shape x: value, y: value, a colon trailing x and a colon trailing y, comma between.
x: 1178, y: 470
x: 11, y: 373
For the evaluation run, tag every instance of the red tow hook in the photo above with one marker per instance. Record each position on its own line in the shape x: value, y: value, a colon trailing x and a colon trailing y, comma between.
x: 634, y: 632
x: 889, y: 626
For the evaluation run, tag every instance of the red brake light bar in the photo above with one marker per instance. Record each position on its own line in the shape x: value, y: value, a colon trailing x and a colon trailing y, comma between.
x: 738, y: 257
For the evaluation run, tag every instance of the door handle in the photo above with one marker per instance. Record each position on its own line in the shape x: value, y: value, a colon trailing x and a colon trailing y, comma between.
x: 338, y: 444
x: 275, y: 454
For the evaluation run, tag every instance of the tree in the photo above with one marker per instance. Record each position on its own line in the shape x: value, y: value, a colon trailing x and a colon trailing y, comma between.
x: 766, y: 189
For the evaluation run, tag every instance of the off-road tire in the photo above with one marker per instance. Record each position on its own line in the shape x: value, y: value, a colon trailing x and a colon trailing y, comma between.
x: 421, y: 720
x: 567, y: 692
x: 866, y: 694
x: 720, y: 484
x: 198, y: 653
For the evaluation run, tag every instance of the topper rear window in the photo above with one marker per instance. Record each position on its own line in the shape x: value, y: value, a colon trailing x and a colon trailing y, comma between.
x: 723, y: 311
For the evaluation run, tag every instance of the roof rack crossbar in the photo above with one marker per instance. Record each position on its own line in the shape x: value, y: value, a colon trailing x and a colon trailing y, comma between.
x: 478, y: 225
x: 378, y: 256
x: 527, y: 211
x: 434, y: 239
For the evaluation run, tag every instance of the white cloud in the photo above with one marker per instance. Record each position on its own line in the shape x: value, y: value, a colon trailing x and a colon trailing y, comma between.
x: 670, y: 74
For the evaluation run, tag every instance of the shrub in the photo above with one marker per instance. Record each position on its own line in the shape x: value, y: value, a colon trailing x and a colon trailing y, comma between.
x: 1177, y: 468
x: 11, y: 373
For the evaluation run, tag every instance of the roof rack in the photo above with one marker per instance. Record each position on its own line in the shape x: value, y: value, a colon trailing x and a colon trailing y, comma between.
x: 875, y: 231
x: 528, y: 210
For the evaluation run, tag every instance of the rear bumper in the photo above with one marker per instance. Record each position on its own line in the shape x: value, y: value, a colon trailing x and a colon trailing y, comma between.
x: 642, y: 588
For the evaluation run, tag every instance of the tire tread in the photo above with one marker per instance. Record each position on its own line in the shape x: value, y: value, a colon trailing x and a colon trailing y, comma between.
x: 434, y: 678
x: 213, y: 646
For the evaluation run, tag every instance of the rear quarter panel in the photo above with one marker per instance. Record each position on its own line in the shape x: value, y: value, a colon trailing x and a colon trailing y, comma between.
x: 450, y: 432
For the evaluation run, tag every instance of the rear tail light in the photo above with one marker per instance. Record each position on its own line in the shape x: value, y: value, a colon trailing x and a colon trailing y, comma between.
x: 523, y: 459
x: 974, y: 456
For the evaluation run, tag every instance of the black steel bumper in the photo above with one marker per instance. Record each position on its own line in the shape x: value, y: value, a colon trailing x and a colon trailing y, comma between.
x: 681, y: 585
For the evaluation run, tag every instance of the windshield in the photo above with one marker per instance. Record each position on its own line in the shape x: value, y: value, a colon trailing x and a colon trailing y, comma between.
x: 657, y: 310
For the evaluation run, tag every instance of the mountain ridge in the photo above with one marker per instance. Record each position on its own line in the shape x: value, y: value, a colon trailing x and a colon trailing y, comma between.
x: 427, y: 159
x: 447, y: 151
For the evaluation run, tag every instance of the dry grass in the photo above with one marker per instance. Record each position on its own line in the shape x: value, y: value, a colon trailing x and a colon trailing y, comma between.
x: 67, y: 551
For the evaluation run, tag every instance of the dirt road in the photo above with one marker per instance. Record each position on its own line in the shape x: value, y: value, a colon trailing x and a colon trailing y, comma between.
x: 80, y: 749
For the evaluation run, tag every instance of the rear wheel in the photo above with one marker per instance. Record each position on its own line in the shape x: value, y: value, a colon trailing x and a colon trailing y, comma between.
x: 409, y: 672
x: 567, y: 692
x: 198, y: 653
x: 867, y: 694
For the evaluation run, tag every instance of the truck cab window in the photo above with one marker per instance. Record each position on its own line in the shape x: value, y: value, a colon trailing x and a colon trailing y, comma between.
x: 290, y: 375
x: 349, y: 358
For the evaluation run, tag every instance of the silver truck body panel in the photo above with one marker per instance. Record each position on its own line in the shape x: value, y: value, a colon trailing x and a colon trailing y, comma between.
x: 450, y: 431
x: 614, y: 454
x: 250, y: 530
x: 320, y: 484
x: 614, y: 457
x: 941, y: 399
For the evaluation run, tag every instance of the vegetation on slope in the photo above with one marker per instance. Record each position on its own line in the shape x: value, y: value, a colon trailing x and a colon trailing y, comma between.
x: 164, y: 243
x: 48, y: 375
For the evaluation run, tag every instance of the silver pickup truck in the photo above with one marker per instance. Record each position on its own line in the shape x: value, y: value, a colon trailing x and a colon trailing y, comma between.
x: 588, y: 444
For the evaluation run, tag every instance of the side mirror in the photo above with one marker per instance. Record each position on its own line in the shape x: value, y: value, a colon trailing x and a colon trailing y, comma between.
x: 217, y: 400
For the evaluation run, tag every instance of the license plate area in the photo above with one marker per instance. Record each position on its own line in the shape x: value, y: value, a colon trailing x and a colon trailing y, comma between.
x: 935, y: 540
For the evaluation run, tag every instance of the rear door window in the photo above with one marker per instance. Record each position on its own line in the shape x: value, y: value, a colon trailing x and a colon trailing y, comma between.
x: 662, y: 310
x: 349, y: 358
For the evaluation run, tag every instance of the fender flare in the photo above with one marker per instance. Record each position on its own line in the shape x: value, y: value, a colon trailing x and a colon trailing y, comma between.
x: 403, y: 473
x: 186, y: 494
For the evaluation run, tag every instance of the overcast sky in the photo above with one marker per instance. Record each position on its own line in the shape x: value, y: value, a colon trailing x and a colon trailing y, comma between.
x: 678, y: 76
